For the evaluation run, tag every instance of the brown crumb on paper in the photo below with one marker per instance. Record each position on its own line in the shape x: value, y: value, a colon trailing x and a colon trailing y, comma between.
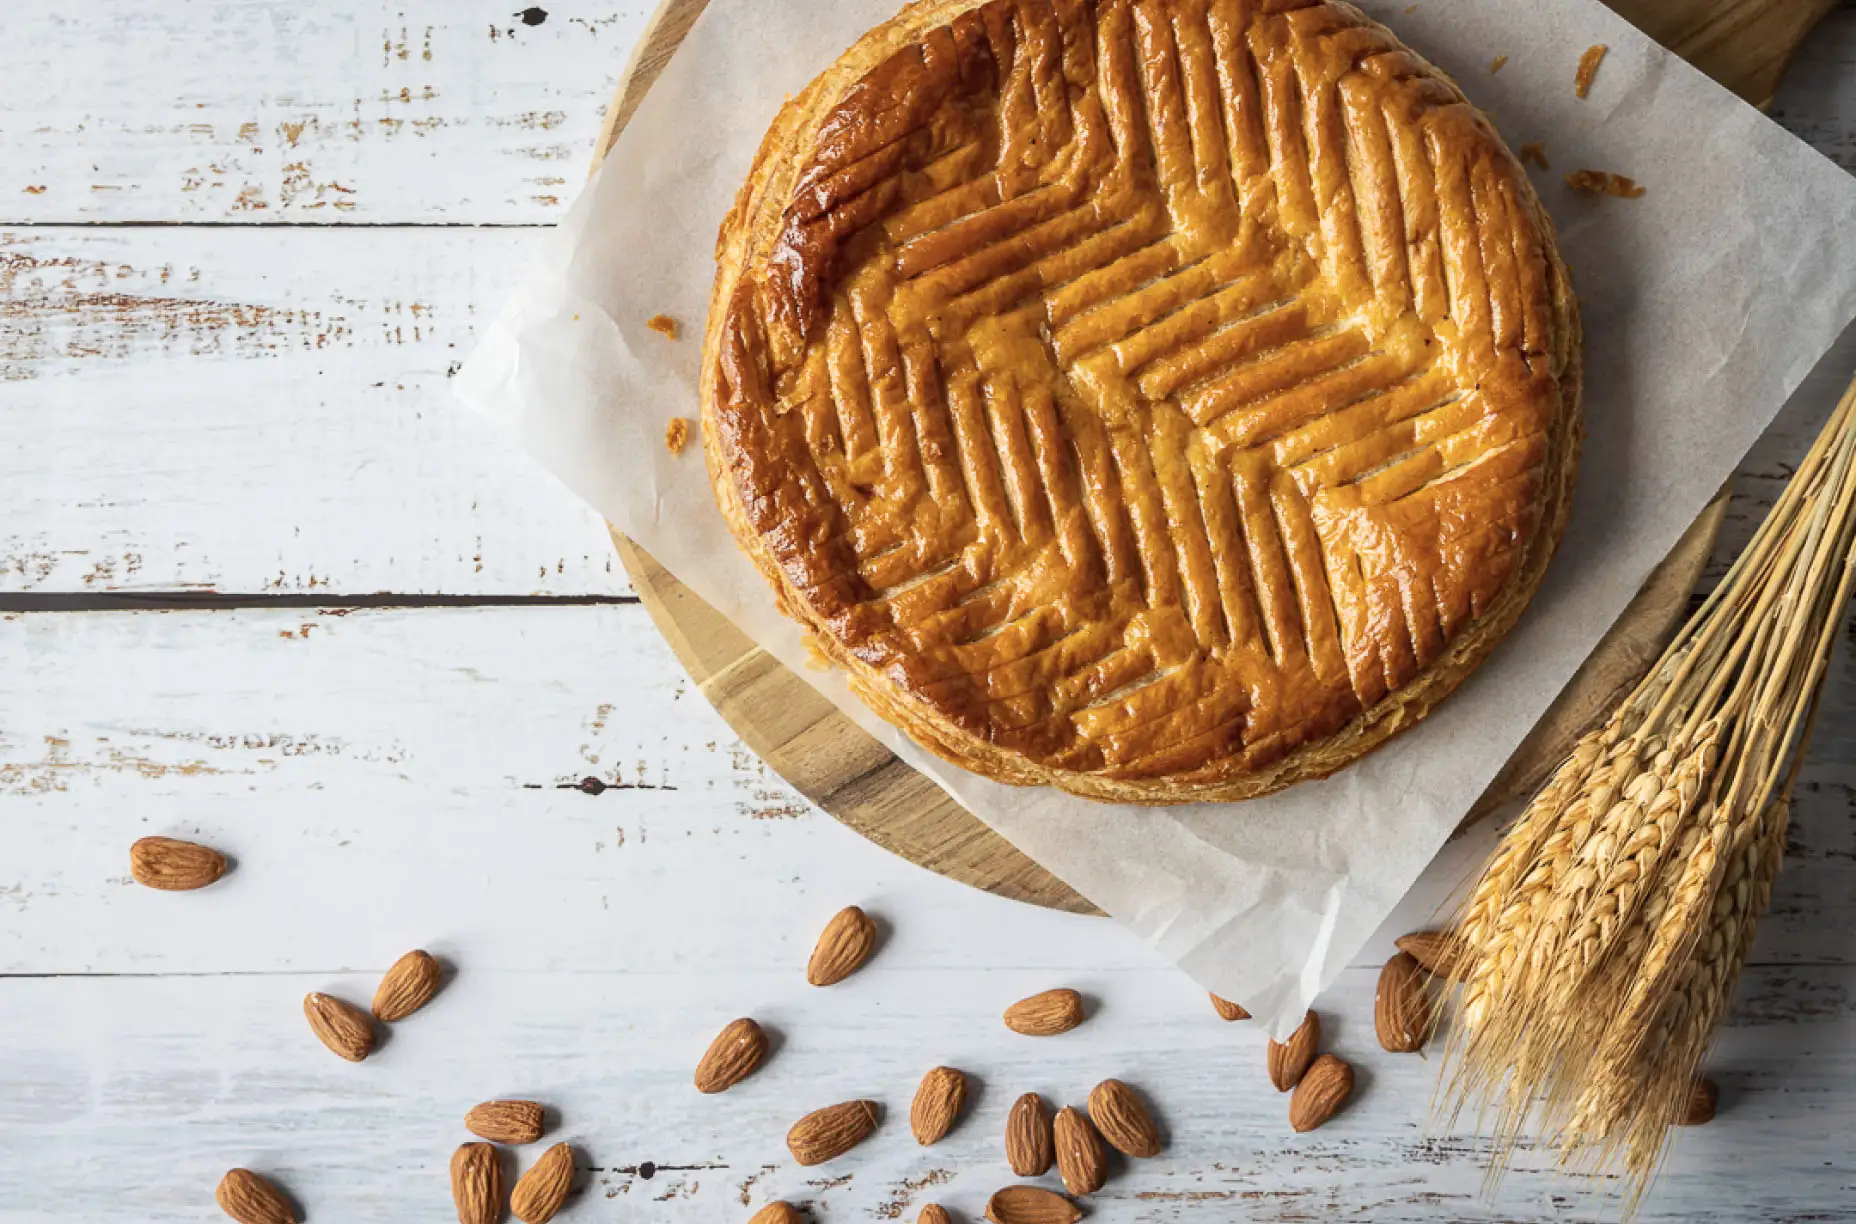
x: 1410, y: 9
x: 663, y: 325
x: 1535, y: 153
x: 1496, y: 64
x: 676, y: 435
x: 1588, y: 68
x: 1603, y: 182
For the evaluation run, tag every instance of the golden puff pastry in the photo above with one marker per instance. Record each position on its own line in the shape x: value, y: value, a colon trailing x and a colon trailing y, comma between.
x: 1165, y: 400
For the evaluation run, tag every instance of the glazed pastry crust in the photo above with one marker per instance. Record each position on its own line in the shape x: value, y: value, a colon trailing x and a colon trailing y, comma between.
x: 1164, y: 400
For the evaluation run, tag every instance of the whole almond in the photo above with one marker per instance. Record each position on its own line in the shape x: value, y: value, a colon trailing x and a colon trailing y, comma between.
x: 251, y: 1199
x: 827, y: 1133
x: 514, y: 1122
x: 843, y: 947
x: 933, y: 1213
x: 1228, y: 1010
x: 1288, y: 1061
x: 539, y: 1193
x: 937, y: 1103
x: 1703, y: 1099
x: 734, y: 1054
x: 173, y: 865
x: 1031, y: 1205
x: 1320, y: 1094
x: 410, y: 983
x: 477, y: 1184
x: 777, y: 1212
x: 1437, y: 952
x: 1081, y: 1162
x: 340, y: 1025
x: 1401, y: 1011
x: 1046, y: 1014
x: 1027, y: 1136
x: 1121, y: 1116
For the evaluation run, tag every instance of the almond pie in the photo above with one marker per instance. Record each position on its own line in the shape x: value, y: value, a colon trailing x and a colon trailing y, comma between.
x: 1164, y: 400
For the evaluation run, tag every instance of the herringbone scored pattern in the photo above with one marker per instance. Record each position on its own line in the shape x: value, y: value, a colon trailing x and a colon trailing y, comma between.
x: 1147, y: 387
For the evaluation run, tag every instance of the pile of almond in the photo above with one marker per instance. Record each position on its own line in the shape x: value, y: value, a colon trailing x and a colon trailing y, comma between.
x: 477, y: 1168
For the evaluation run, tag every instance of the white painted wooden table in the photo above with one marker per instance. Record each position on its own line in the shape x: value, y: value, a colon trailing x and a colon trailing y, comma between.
x: 263, y: 583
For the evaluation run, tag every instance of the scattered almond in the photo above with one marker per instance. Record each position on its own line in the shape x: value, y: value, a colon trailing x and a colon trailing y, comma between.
x: 1401, y: 1011
x: 1435, y: 951
x: 173, y: 865
x: 1031, y: 1205
x: 515, y: 1122
x: 777, y: 1212
x: 1123, y: 1120
x: 933, y: 1213
x: 733, y: 1056
x: 539, y: 1193
x: 1228, y: 1010
x: 477, y: 1184
x: 1703, y: 1099
x: 842, y: 948
x: 1321, y: 1092
x: 1046, y: 1014
x: 251, y: 1199
x: 341, y: 1026
x: 937, y: 1103
x: 825, y: 1134
x: 1081, y: 1162
x: 1289, y: 1060
x: 1027, y: 1136
x: 410, y: 983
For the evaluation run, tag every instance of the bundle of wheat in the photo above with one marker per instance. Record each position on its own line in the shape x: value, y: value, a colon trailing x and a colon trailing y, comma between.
x: 1603, y: 940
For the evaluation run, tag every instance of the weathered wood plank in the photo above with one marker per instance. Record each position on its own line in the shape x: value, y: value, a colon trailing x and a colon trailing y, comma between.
x: 267, y: 410
x: 429, y: 111
x: 124, y: 1099
x: 266, y: 111
x: 387, y: 776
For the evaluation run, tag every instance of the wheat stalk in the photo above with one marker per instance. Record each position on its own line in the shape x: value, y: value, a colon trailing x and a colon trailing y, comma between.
x: 1602, y: 943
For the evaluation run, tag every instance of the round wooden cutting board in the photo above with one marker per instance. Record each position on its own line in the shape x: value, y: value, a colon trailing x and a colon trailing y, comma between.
x: 1744, y: 44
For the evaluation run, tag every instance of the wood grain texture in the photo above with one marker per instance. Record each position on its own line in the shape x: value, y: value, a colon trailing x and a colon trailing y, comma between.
x: 273, y: 111
x: 1743, y: 44
x: 267, y: 411
x: 850, y: 775
x: 131, y: 1095
x: 533, y: 787
x: 434, y: 111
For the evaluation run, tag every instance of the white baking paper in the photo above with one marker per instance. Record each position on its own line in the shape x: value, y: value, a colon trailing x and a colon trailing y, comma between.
x: 1705, y: 303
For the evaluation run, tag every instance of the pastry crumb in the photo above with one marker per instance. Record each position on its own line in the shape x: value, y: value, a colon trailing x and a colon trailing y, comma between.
x: 816, y: 659
x: 1535, y: 153
x: 1410, y: 9
x: 676, y: 435
x: 1603, y: 182
x: 1588, y: 68
x: 663, y: 325
x: 1496, y: 64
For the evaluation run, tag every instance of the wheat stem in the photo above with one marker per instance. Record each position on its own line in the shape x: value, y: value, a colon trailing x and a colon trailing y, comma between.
x: 1601, y: 944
